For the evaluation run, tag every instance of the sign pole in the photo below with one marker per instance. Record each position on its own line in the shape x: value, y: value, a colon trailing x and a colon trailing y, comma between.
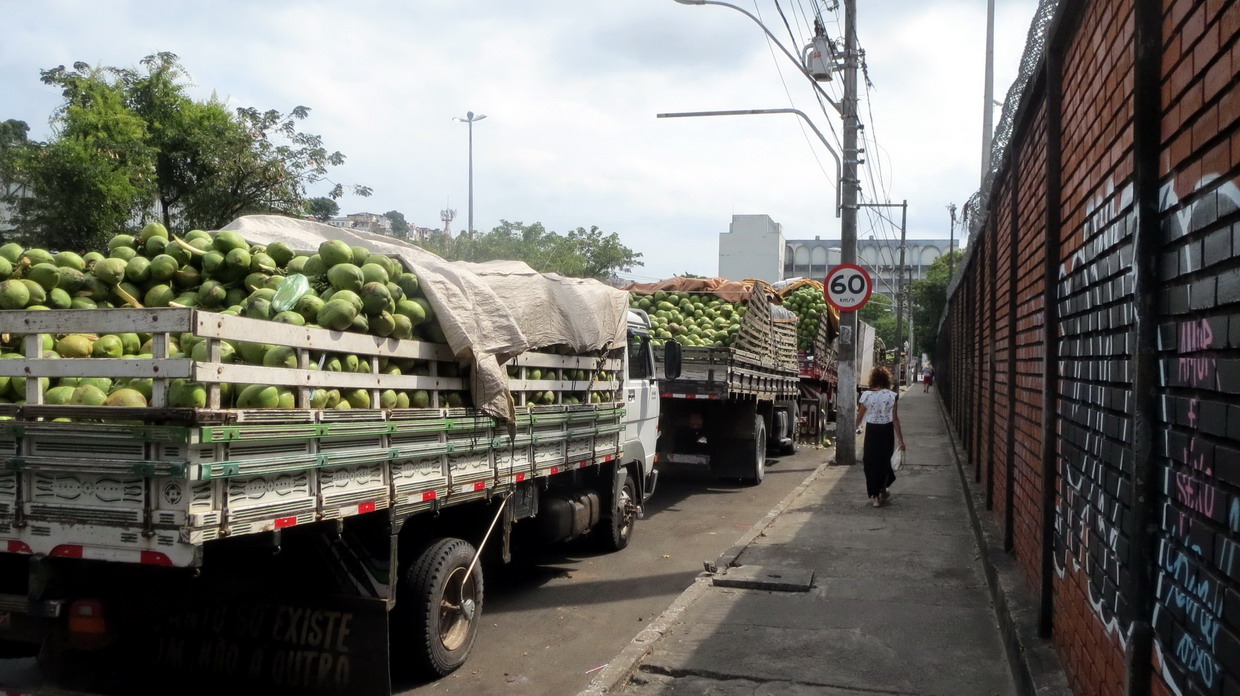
x: 846, y: 411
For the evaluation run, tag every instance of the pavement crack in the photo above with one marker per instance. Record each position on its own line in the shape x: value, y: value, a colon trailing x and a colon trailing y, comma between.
x: 680, y: 673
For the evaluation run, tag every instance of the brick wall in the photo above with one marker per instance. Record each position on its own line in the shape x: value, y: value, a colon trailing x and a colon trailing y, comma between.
x: 1101, y: 588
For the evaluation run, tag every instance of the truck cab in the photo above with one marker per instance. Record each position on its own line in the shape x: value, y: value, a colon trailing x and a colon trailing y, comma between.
x: 641, y: 399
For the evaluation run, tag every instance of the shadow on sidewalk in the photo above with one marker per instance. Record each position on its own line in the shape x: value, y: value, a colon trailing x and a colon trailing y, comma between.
x: 898, y: 602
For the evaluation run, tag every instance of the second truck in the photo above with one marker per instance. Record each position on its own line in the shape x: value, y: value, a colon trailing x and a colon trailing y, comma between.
x: 728, y: 396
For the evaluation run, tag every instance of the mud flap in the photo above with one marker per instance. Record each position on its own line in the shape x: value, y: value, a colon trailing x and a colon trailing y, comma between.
x: 211, y: 643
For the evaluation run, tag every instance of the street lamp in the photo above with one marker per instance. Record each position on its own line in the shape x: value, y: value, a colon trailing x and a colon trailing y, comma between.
x: 846, y: 450
x: 470, y: 117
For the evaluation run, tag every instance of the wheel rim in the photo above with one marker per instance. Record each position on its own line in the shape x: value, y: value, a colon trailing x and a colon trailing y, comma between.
x: 456, y: 609
x: 627, y: 511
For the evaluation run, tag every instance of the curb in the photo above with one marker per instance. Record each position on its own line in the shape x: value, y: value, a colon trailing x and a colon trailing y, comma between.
x: 1036, y: 669
x: 622, y: 666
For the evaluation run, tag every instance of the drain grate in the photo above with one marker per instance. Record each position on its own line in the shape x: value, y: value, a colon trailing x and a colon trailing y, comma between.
x: 766, y: 578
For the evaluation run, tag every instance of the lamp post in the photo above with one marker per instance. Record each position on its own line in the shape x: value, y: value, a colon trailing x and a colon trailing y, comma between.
x: 470, y: 117
x: 846, y: 453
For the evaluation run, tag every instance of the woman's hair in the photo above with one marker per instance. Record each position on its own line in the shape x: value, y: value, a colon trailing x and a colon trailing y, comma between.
x: 880, y: 378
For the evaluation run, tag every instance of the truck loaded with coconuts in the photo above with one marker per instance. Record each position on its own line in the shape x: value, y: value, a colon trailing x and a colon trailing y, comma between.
x: 270, y: 458
x: 731, y: 382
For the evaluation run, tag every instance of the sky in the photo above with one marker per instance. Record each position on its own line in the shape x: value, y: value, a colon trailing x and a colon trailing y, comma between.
x: 571, y: 90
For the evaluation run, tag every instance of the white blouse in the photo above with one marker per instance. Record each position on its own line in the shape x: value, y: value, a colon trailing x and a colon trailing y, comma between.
x: 879, y: 406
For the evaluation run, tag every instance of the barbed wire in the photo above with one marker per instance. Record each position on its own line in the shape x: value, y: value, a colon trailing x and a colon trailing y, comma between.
x: 975, y: 210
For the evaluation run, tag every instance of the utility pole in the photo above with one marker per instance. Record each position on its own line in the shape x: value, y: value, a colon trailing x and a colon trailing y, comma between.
x: 988, y: 108
x: 900, y: 291
x: 900, y: 278
x: 846, y: 418
x: 951, y: 244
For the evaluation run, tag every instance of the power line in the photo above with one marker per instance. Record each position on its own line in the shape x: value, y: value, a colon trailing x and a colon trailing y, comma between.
x: 788, y: 92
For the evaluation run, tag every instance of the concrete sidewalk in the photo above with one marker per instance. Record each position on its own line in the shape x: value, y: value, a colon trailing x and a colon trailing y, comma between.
x: 832, y: 596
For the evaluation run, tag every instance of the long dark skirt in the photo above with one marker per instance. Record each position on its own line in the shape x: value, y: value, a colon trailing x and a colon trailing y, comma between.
x: 880, y: 444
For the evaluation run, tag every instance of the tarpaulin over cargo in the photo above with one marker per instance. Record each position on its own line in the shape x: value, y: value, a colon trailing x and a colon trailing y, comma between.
x: 730, y: 290
x: 489, y: 312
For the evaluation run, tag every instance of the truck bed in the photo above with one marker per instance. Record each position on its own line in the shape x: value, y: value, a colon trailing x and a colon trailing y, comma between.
x: 152, y: 485
x: 729, y: 373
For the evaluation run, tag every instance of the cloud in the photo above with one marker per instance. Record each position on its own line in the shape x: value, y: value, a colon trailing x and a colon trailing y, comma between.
x: 571, y: 90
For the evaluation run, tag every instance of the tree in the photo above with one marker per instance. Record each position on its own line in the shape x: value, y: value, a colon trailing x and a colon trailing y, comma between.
x: 96, y: 175
x: 578, y: 254
x: 400, y: 226
x: 131, y: 143
x: 929, y: 297
x: 322, y: 209
x: 880, y: 313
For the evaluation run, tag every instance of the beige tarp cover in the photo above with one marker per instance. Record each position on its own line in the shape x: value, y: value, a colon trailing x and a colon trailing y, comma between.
x: 729, y: 290
x: 489, y: 312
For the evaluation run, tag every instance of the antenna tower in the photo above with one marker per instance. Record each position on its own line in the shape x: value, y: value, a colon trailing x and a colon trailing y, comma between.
x: 447, y: 215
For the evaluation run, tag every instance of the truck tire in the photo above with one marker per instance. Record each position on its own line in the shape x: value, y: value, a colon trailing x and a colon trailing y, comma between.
x: 791, y: 448
x: 757, y: 466
x: 434, y: 626
x: 615, y: 529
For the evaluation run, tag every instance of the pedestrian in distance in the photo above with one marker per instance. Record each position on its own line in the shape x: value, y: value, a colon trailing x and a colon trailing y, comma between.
x: 879, y: 411
x: 927, y: 377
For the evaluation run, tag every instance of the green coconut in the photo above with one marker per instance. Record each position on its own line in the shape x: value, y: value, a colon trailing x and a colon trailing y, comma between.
x: 11, y: 252
x: 345, y: 276
x: 229, y: 240
x: 334, y: 252
x: 74, y: 346
x: 281, y: 253
x: 110, y: 271
x: 259, y: 396
x: 37, y: 294
x: 88, y: 395
x: 109, y: 346
x: 128, y: 397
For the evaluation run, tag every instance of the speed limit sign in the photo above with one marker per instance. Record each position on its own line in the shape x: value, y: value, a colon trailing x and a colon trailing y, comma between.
x: 848, y: 287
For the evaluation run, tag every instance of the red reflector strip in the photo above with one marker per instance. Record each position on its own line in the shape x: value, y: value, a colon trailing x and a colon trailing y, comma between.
x: 282, y: 522
x: 155, y: 558
x: 15, y: 546
x: 429, y: 495
x: 67, y: 551
x: 520, y: 478
x: 555, y: 470
x: 480, y: 485
x: 608, y: 458
x: 365, y: 507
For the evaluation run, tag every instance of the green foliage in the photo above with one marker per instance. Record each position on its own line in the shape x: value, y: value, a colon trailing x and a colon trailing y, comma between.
x: 929, y: 297
x: 578, y: 254
x: 131, y: 142
x: 400, y: 226
x: 880, y: 313
x: 322, y: 208
x: 96, y: 175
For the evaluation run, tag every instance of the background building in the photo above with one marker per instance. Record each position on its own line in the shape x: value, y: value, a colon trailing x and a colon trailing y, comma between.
x: 755, y: 247
x: 812, y: 258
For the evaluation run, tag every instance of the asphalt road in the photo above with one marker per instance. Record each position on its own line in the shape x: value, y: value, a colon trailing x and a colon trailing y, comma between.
x: 550, y: 621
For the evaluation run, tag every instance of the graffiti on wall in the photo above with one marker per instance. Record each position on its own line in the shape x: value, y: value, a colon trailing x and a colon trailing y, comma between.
x: 1087, y: 519
x: 1189, y: 604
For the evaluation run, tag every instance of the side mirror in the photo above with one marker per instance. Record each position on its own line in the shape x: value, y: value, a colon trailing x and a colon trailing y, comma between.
x: 671, y: 360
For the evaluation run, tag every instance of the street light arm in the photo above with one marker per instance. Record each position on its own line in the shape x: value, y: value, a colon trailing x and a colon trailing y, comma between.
x: 747, y: 112
x: 800, y: 66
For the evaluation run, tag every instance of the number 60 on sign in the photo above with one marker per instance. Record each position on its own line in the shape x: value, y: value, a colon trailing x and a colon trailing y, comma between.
x: 848, y: 287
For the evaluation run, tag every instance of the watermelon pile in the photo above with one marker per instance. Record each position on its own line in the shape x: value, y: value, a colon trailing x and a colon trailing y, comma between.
x: 809, y: 304
x: 691, y: 318
x: 340, y: 288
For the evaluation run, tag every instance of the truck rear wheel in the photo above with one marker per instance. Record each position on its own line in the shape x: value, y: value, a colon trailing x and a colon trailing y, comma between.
x: 438, y: 608
x: 615, y: 529
x: 757, y: 466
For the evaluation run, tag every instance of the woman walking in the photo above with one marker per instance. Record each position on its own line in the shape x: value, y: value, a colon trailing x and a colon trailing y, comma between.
x: 879, y: 410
